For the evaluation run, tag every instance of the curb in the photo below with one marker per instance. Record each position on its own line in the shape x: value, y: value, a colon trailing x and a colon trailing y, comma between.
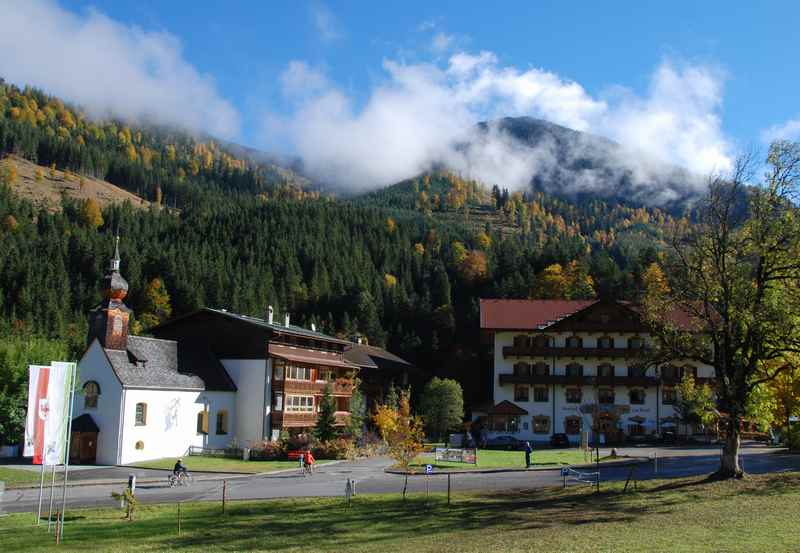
x: 214, y: 476
x: 603, y: 464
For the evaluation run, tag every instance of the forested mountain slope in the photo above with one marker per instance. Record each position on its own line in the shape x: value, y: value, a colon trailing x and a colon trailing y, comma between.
x: 404, y: 266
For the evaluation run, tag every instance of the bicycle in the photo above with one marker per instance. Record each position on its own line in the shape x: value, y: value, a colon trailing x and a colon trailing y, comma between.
x: 181, y: 479
x: 306, y: 469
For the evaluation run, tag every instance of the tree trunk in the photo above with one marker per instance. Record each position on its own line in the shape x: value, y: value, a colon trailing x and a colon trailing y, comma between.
x: 729, y: 463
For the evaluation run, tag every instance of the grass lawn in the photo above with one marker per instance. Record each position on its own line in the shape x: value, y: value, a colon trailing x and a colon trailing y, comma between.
x: 493, y: 459
x: 759, y: 513
x: 17, y: 477
x: 198, y: 463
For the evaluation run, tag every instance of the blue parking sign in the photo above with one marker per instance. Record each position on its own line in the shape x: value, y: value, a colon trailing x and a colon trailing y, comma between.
x: 428, y: 469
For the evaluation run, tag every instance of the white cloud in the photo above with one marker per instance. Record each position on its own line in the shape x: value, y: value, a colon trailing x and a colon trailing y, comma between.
x: 326, y: 23
x: 423, y: 113
x: 790, y: 130
x: 109, y: 68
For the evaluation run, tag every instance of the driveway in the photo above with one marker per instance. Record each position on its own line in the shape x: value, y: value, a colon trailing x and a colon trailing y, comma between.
x: 370, y: 477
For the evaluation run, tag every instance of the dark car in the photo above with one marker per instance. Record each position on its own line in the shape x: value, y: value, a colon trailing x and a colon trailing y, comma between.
x: 559, y: 440
x: 505, y: 442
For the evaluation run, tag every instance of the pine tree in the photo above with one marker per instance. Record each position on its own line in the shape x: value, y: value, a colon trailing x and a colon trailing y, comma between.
x: 355, y: 424
x: 325, y: 429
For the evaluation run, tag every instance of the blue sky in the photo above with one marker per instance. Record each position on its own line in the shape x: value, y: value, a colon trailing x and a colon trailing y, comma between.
x: 628, y: 59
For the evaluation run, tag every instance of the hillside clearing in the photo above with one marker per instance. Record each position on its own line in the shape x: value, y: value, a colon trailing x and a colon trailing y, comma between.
x: 46, y: 192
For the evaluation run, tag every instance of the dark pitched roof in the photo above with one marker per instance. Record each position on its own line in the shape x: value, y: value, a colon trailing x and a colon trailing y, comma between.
x: 84, y: 423
x: 257, y: 322
x: 505, y: 407
x: 372, y: 357
x: 156, y: 363
x: 310, y: 356
x: 527, y: 314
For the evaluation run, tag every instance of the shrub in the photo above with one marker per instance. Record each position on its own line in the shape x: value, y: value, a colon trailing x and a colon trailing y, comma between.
x: 332, y: 449
x: 294, y: 443
x: 267, y: 451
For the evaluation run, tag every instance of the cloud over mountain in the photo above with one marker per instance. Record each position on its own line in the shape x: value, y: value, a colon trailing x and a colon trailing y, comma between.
x: 109, y: 68
x: 422, y: 113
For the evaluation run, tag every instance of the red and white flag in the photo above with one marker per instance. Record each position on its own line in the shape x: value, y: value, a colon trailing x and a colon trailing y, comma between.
x: 48, y: 413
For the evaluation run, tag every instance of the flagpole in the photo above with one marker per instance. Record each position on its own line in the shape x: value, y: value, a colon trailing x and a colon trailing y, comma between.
x: 50, y: 512
x: 41, y: 493
x: 66, y: 450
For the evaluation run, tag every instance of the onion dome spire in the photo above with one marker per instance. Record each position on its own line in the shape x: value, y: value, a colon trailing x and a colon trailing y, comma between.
x: 116, y: 287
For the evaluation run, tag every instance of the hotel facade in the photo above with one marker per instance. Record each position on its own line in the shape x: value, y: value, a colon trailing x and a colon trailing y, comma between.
x: 561, y: 366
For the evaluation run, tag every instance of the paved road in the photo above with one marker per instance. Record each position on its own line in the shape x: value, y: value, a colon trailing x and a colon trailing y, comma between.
x: 370, y: 478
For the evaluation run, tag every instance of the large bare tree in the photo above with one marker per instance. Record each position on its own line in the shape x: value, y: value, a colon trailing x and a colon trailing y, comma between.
x: 735, y: 271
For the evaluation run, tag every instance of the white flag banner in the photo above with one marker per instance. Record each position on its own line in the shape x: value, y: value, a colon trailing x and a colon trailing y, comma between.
x: 48, y: 413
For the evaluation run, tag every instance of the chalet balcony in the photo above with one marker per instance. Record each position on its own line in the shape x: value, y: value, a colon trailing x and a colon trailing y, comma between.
x: 564, y: 380
x: 316, y: 387
x: 288, y: 419
x: 548, y: 351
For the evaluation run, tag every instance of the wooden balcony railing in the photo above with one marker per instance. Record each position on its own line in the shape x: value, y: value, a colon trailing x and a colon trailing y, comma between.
x: 316, y: 387
x: 578, y: 380
x: 287, y: 419
x: 534, y: 351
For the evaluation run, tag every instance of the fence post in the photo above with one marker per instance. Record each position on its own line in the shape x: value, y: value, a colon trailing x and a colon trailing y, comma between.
x: 448, y: 490
x: 224, y: 493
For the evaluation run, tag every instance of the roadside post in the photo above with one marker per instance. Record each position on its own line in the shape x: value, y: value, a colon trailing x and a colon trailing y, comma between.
x: 132, y: 483
x: 348, y: 491
x: 448, y: 489
x: 428, y: 472
x: 564, y: 474
x: 224, y: 493
x: 655, y: 462
x: 2, y: 491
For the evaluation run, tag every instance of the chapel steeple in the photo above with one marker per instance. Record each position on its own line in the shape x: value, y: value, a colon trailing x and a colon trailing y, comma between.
x: 108, y: 322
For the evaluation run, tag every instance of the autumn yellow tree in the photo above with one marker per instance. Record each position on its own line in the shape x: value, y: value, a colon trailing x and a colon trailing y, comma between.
x: 391, y: 225
x: 10, y: 223
x: 785, y: 392
x: 390, y: 280
x: 402, y: 432
x: 8, y: 173
x: 90, y: 213
x: 551, y: 283
x: 157, y: 306
x: 474, y: 267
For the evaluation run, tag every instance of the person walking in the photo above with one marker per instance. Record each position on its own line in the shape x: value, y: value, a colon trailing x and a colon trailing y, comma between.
x: 528, y: 451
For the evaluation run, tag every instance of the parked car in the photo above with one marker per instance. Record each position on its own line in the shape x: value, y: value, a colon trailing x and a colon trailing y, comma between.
x: 505, y: 442
x: 559, y: 440
x: 669, y: 437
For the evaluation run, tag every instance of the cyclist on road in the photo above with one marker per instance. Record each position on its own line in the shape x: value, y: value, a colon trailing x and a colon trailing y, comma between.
x: 309, y: 461
x: 179, y: 468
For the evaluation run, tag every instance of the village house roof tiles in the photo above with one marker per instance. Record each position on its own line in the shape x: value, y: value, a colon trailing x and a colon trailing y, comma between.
x: 527, y: 314
x: 157, y: 363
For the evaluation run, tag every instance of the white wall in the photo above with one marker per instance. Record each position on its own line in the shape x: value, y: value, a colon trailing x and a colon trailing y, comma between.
x: 650, y: 410
x: 95, y: 366
x: 171, y: 425
x: 253, y: 398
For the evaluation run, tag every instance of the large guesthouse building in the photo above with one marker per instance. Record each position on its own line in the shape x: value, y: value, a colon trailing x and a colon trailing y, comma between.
x: 561, y: 366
